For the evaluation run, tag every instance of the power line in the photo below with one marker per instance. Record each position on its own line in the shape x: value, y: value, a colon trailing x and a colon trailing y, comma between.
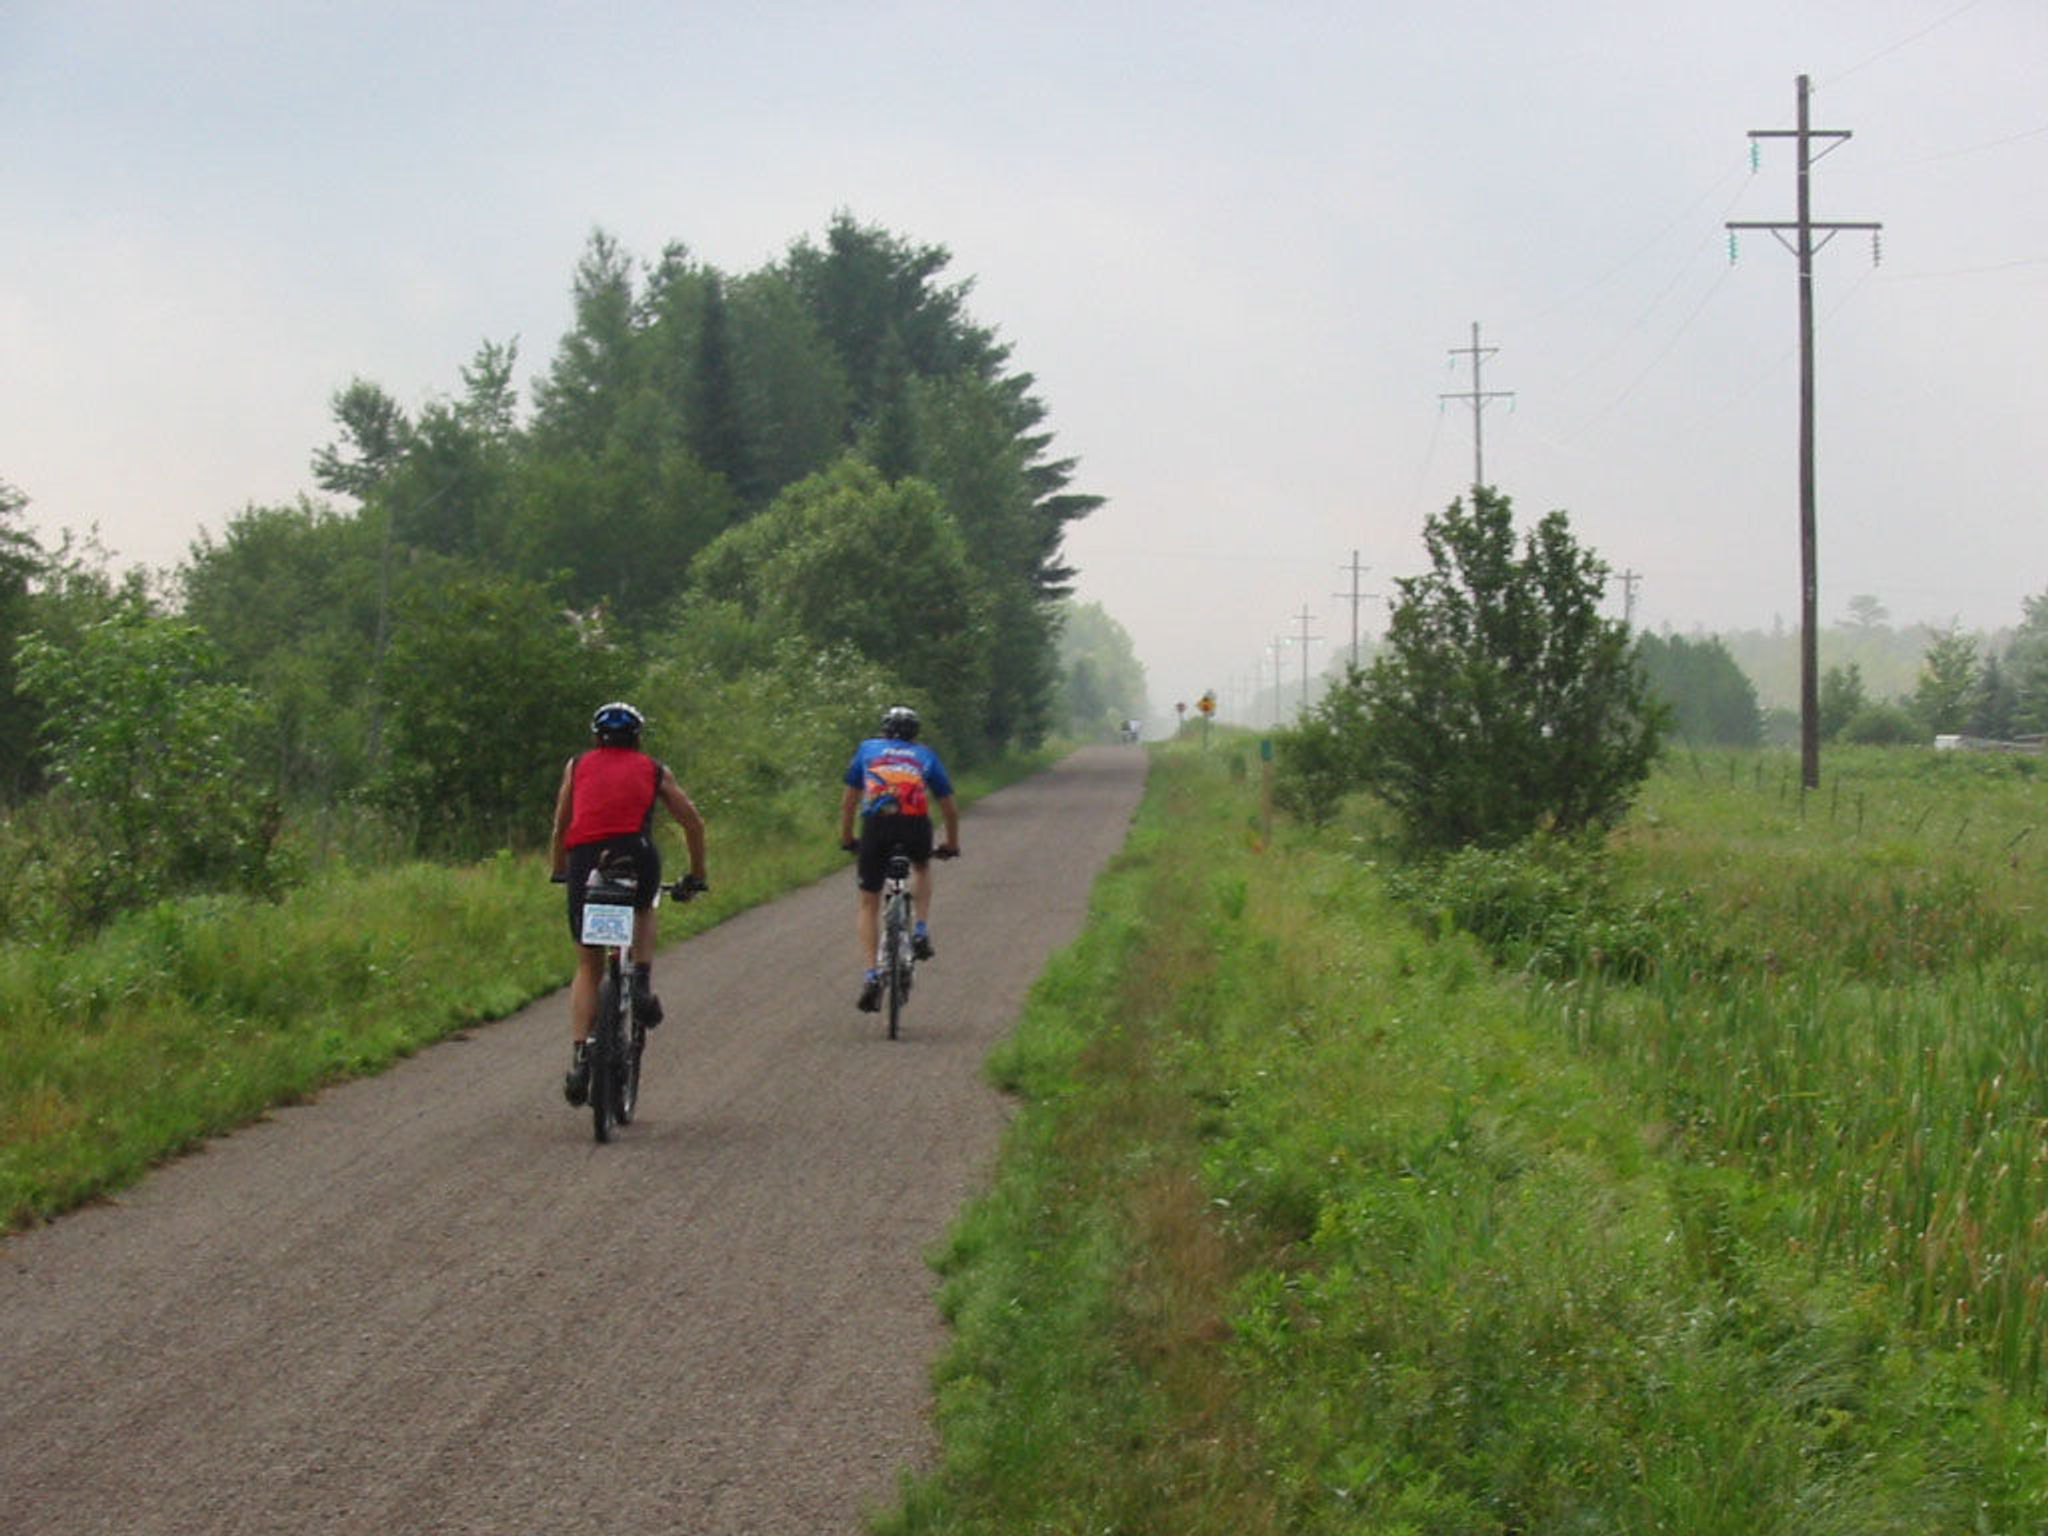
x: 1940, y: 156
x: 1887, y: 52
x: 1656, y: 361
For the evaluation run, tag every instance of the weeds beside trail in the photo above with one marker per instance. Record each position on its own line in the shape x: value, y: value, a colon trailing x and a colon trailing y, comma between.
x: 195, y: 1016
x: 1309, y: 1222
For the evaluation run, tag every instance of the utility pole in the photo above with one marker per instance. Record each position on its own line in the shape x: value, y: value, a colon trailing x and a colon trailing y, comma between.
x: 1356, y: 597
x: 1279, y: 644
x: 1478, y: 397
x: 1803, y: 247
x: 1307, y: 639
x: 1629, y: 579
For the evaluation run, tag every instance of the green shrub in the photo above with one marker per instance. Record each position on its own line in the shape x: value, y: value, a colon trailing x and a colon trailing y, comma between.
x: 1322, y: 759
x: 158, y: 762
x: 748, y: 717
x: 1502, y: 702
x: 489, y: 690
x: 1882, y: 725
x: 1548, y: 905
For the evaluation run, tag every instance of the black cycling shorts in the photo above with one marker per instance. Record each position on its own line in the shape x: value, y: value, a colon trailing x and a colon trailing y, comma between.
x: 879, y: 836
x: 636, y: 850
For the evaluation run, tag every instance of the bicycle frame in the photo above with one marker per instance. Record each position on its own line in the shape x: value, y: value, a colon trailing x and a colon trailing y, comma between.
x: 616, y: 1039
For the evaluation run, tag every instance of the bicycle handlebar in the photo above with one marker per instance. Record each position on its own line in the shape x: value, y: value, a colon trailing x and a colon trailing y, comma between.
x: 684, y: 889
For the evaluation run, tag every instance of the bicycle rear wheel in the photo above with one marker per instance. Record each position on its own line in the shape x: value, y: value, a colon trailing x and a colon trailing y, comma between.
x: 605, y: 1059
x: 629, y: 1072
x: 895, y: 977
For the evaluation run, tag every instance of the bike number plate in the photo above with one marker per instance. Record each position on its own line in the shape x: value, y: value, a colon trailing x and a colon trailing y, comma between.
x: 607, y: 925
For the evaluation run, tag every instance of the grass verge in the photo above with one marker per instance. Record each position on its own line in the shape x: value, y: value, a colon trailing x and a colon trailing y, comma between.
x: 1309, y: 1222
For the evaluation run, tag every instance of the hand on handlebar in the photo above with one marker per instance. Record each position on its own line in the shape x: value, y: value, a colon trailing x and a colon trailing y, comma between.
x: 943, y: 851
x: 689, y: 886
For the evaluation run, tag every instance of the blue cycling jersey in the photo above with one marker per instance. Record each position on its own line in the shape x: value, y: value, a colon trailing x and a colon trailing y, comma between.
x: 899, y: 778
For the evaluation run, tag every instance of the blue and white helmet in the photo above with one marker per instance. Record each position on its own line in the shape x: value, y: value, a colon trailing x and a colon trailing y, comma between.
x: 617, y: 724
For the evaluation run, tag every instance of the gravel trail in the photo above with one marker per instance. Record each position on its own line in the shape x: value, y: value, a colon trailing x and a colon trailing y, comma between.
x: 391, y: 1311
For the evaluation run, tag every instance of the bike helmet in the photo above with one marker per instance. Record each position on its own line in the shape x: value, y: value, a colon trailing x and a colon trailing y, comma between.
x: 900, y: 723
x: 617, y: 724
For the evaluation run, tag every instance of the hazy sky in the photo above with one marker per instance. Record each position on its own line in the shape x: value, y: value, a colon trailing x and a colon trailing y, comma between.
x: 1237, y: 245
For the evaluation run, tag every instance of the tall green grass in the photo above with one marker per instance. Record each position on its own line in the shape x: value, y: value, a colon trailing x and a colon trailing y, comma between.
x: 1311, y: 1220
x: 194, y: 1016
x: 1855, y: 1010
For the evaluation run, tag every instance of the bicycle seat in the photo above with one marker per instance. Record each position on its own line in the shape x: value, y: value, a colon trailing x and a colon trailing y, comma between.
x: 615, y: 880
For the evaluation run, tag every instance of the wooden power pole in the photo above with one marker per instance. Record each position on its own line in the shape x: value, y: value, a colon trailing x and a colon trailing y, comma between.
x: 1304, y: 619
x: 1803, y: 245
x: 1356, y: 597
x: 1478, y: 398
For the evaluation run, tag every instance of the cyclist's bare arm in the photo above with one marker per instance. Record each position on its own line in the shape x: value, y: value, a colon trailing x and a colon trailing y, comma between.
x: 687, y: 815
x: 558, y: 845
x: 849, y: 803
x: 949, y: 813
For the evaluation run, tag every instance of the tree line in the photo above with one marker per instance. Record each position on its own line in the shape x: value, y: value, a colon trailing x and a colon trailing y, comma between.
x: 1884, y: 685
x: 1502, y: 703
x: 761, y: 504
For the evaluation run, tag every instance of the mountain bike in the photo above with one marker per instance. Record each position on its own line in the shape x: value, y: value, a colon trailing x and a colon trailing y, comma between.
x: 617, y: 1037
x: 895, y: 957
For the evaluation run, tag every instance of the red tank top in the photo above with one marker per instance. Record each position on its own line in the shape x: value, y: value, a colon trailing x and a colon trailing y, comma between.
x: 611, y: 794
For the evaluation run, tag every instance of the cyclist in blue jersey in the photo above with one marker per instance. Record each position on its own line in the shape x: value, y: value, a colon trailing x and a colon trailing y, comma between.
x: 891, y: 784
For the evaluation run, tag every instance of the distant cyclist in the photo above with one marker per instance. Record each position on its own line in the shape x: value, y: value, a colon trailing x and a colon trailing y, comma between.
x: 605, y: 809
x: 891, y: 784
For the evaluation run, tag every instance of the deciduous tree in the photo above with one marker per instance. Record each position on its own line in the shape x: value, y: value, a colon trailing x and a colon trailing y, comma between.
x: 1103, y: 682
x: 489, y: 690
x: 1712, y: 701
x: 21, y: 562
x: 845, y: 556
x: 289, y: 597
x: 1948, y: 678
x: 1502, y: 701
x: 160, y: 758
x: 1842, y: 698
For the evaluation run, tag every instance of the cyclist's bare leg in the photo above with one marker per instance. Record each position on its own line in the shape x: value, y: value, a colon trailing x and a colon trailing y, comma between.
x: 921, y: 891
x: 646, y: 1006
x: 583, y: 990
x: 870, y: 927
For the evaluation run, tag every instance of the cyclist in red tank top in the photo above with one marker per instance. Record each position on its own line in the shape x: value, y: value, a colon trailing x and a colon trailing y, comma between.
x: 605, y: 807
